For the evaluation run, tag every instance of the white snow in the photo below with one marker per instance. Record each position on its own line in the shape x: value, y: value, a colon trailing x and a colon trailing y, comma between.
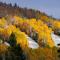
x: 6, y: 43
x: 32, y: 43
x: 55, y: 38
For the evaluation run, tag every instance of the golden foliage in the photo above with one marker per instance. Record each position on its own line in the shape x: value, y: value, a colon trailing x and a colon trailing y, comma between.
x: 28, y: 26
x: 56, y: 25
x: 3, y: 48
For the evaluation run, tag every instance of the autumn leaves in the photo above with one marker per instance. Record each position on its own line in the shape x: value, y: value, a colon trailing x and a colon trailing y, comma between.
x: 36, y: 29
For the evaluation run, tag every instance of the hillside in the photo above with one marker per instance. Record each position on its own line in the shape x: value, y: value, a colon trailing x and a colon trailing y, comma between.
x: 25, y: 34
x: 9, y: 10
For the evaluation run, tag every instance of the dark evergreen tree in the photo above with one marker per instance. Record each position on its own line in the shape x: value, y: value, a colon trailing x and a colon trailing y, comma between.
x: 16, y: 49
x: 12, y: 40
x: 19, y: 52
x: 15, y: 6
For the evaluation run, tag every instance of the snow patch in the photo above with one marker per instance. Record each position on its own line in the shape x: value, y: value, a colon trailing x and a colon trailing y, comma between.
x: 6, y: 43
x: 32, y: 43
x: 55, y: 38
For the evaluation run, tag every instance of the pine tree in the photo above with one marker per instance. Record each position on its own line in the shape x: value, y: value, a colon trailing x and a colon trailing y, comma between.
x: 12, y: 40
